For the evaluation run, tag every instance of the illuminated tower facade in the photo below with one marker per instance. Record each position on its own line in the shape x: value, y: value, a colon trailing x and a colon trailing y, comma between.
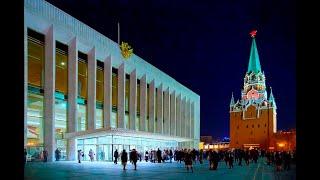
x: 253, y: 118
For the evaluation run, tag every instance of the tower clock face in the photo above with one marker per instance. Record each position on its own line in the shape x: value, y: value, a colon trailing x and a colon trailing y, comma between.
x: 253, y: 94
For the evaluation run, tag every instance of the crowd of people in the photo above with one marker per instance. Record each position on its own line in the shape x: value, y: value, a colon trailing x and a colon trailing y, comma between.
x: 281, y: 160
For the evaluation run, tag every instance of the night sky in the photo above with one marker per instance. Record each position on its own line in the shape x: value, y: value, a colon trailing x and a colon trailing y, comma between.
x: 205, y: 46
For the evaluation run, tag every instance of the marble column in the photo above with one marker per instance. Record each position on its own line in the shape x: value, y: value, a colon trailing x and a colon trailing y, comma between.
x: 72, y: 95
x: 183, y: 117
x: 166, y: 112
x: 49, y: 91
x: 92, y: 73
x: 107, y: 89
x: 143, y: 103
x: 178, y: 115
x: 133, y: 100
x: 159, y: 110
x: 121, y: 96
x: 152, y: 107
x: 173, y: 114
x: 192, y: 120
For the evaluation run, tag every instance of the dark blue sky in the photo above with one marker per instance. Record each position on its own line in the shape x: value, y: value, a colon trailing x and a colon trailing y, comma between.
x: 205, y: 46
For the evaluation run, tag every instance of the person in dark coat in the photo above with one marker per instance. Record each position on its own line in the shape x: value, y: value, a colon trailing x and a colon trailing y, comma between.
x: 247, y: 157
x: 57, y: 154
x: 116, y: 156
x: 146, y: 157
x: 188, y: 160
x: 134, y: 158
x: 45, y: 155
x: 159, y: 155
x: 240, y: 156
x: 25, y: 156
x: 201, y: 156
x: 124, y: 159
x: 278, y: 161
x: 230, y: 160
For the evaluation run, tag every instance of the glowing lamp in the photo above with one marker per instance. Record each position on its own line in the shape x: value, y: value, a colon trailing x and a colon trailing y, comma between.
x: 281, y: 144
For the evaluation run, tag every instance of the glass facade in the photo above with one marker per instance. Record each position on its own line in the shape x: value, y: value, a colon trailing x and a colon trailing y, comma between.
x: 127, y: 101
x: 82, y: 91
x: 104, y: 146
x: 99, y: 95
x: 138, y: 106
x: 114, y: 115
x: 35, y: 102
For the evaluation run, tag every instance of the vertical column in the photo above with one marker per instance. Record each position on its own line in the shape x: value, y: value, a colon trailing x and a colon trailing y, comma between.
x: 178, y: 116
x: 188, y: 119
x: 92, y: 73
x: 121, y: 96
x: 133, y: 100
x: 143, y: 103
x: 183, y: 119
x: 72, y: 96
x: 152, y: 91
x: 25, y: 84
x: 166, y: 112
x: 49, y: 90
x: 159, y: 110
x: 107, y: 89
x: 192, y: 120
x: 173, y: 114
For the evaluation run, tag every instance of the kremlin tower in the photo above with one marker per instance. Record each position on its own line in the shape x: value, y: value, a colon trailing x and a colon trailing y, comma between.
x: 253, y: 118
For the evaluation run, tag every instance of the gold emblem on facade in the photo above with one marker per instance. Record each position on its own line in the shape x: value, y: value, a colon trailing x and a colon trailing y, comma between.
x: 126, y: 50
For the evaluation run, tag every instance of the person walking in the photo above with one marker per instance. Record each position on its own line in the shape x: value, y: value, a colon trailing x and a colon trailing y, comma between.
x: 57, y: 154
x: 91, y: 155
x: 124, y: 159
x: 188, y: 160
x: 116, y: 156
x: 80, y: 155
x: 134, y: 158
x: 25, y: 156
x: 45, y: 155
x: 146, y: 156
x: 170, y: 155
x: 240, y: 156
x: 246, y: 157
x: 201, y: 156
x: 159, y: 155
x: 230, y: 160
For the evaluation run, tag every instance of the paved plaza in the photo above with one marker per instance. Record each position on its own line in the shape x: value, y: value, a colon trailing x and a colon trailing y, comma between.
x: 147, y: 170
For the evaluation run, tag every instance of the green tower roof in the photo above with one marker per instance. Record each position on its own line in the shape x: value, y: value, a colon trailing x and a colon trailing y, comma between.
x: 254, y: 62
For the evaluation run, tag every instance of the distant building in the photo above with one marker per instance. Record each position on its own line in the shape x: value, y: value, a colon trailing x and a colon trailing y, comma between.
x: 253, y: 118
x: 206, y: 139
x: 283, y: 140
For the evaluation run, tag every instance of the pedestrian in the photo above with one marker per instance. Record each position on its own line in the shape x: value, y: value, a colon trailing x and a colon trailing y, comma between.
x: 170, y: 155
x: 188, y: 160
x: 159, y: 155
x: 116, y: 156
x: 124, y: 158
x: 278, y: 162
x: 146, y: 157
x: 80, y: 155
x: 45, y: 155
x: 57, y: 154
x: 230, y: 161
x: 25, y: 156
x: 134, y: 158
x: 201, y: 156
x: 246, y: 157
x: 91, y: 155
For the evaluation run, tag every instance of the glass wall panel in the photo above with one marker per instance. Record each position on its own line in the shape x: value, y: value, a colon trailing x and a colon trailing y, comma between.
x: 61, y: 69
x: 99, y: 118
x: 127, y: 100
x: 114, y: 121
x: 82, y: 117
x: 82, y: 78
x: 148, y: 101
x: 99, y: 84
x: 35, y: 62
x: 35, y: 126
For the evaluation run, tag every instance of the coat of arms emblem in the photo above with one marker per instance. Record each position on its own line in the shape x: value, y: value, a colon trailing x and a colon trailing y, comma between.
x: 126, y: 50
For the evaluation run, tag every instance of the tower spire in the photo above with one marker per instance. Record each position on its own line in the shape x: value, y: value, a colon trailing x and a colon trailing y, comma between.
x: 254, y: 62
x: 232, y: 100
x: 271, y: 99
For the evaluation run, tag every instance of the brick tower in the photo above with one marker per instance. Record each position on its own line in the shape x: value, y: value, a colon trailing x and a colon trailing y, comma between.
x: 253, y: 119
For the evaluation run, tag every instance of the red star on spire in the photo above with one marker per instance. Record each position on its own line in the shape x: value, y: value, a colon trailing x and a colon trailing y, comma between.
x: 253, y: 33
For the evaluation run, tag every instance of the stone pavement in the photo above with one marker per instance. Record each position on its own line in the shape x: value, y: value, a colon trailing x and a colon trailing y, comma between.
x: 146, y: 170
